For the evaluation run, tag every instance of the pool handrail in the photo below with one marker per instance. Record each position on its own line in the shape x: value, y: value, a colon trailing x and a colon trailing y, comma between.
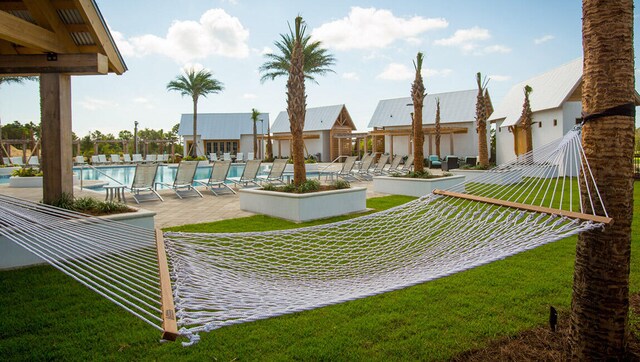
x: 98, y: 171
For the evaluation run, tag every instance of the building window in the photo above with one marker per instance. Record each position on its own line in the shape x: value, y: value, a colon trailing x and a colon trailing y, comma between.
x: 555, y: 122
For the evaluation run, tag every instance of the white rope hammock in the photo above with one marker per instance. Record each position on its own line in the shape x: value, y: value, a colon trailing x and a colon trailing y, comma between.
x: 229, y: 278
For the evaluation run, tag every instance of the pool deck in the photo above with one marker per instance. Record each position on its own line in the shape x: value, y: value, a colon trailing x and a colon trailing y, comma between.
x: 173, y: 211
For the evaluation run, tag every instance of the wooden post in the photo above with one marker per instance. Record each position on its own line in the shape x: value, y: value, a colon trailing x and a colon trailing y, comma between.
x: 391, y: 145
x: 78, y: 148
x: 453, y: 152
x: 430, y: 146
x: 24, y: 153
x: 55, y: 103
x: 169, y: 323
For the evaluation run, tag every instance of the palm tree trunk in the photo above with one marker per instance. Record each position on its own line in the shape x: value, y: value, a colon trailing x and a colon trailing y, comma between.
x: 438, y: 135
x: 194, y: 150
x: 296, y: 107
x: 481, y: 124
x: 601, y: 278
x: 255, y: 139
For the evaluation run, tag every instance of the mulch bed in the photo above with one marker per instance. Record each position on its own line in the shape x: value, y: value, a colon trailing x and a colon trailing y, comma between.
x: 541, y: 344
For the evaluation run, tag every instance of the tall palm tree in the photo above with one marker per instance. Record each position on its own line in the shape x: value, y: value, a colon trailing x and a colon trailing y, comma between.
x: 526, y: 118
x: 438, y: 135
x: 300, y: 59
x: 417, y: 95
x: 481, y: 122
x: 269, y: 147
x: 599, y: 308
x: 195, y: 84
x: 254, y: 117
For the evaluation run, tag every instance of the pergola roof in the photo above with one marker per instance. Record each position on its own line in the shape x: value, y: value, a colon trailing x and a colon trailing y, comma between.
x: 72, y: 33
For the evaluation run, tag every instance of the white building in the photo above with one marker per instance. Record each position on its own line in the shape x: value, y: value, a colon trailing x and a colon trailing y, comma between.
x: 391, y: 123
x: 222, y: 132
x: 323, y: 127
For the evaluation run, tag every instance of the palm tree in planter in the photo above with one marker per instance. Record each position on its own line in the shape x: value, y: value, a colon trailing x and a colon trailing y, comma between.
x: 481, y: 122
x: 254, y: 117
x: 299, y: 59
x: 269, y: 146
x: 195, y: 84
x: 438, y: 135
x: 526, y: 118
x: 417, y: 95
x: 600, y: 304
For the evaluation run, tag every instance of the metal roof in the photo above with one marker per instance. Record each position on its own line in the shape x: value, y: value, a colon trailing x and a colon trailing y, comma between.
x: 550, y: 90
x: 459, y: 106
x: 315, y: 119
x: 220, y: 126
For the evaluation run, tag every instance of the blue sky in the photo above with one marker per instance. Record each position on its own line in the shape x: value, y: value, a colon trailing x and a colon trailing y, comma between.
x: 374, y: 43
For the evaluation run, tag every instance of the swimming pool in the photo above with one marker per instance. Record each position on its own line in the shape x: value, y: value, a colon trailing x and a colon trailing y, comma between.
x: 166, y: 173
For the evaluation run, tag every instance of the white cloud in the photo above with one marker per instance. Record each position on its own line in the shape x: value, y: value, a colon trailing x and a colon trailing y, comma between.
x: 428, y: 73
x: 266, y: 50
x: 396, y: 71
x: 495, y: 49
x: 350, y: 76
x: 465, y: 39
x: 499, y: 78
x: 249, y: 96
x: 543, y: 39
x: 366, y: 28
x: 94, y: 104
x: 144, y: 102
x: 216, y: 33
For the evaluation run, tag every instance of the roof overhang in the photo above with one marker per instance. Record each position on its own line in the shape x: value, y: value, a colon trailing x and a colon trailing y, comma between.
x: 56, y: 36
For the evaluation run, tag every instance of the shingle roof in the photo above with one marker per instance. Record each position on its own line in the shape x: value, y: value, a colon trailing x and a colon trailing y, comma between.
x: 550, y: 90
x: 459, y: 106
x: 315, y: 119
x: 220, y: 125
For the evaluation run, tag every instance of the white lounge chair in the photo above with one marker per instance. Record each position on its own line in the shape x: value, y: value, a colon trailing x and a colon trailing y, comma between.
x: 213, y: 157
x: 137, y: 158
x: 103, y: 159
x: 239, y: 157
x: 363, y: 172
x: 226, y: 156
x: 115, y: 159
x: 144, y: 180
x: 126, y: 158
x: 249, y: 174
x: 151, y: 158
x: 184, y: 178
x: 393, y: 167
x: 347, y: 168
x: 219, y: 173
x: 382, y: 162
x: 95, y: 160
x: 17, y: 160
x: 250, y: 156
x: 276, y: 172
x: 6, y: 160
x: 79, y: 160
x: 163, y: 158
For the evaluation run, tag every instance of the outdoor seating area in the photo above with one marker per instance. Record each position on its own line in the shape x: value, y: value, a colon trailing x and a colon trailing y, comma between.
x: 116, y: 159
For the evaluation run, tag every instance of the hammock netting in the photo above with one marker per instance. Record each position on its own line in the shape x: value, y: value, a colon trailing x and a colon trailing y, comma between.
x: 229, y: 278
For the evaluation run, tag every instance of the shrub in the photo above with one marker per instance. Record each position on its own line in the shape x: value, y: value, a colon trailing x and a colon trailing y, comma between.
x: 270, y: 187
x: 89, y: 205
x: 191, y: 158
x: 341, y: 184
x: 27, y: 172
x: 65, y: 201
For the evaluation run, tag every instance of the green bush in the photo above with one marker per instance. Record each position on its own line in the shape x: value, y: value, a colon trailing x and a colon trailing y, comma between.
x: 89, y: 205
x: 270, y: 187
x: 191, y: 158
x: 424, y: 175
x: 341, y: 184
x: 27, y: 172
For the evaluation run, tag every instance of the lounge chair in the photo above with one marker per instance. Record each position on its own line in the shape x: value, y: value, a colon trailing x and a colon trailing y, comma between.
x: 434, y: 161
x: 126, y: 158
x: 239, y: 157
x: 219, y: 173
x: 213, y: 157
x: 393, y: 167
x: 249, y: 174
x: 151, y: 158
x: 6, y: 160
x: 450, y: 162
x: 407, y: 166
x: 226, y: 156
x: 144, y: 180
x: 33, y: 161
x: 162, y: 158
x: 79, y: 160
x: 346, y: 171
x: 137, y: 158
x: 363, y: 172
x: 103, y: 159
x: 115, y: 159
x: 95, y: 160
x: 184, y: 178
x: 250, y: 156
x: 17, y: 160
x: 382, y: 162
x: 276, y: 172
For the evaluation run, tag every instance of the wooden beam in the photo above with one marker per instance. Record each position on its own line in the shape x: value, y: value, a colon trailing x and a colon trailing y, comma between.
x: 12, y: 5
x: 7, y: 47
x: 74, y: 64
x: 169, y: 323
x: 100, y: 34
x: 46, y: 16
x: 29, y: 35
x: 520, y: 206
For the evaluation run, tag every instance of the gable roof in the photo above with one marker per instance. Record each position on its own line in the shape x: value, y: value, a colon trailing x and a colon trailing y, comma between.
x: 220, y: 126
x: 459, y: 106
x: 315, y: 119
x: 550, y: 90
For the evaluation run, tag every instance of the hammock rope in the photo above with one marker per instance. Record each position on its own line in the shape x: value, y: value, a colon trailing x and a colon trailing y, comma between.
x: 229, y: 278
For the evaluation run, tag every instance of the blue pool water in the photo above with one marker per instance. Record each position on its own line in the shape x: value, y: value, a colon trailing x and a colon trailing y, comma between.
x: 124, y: 174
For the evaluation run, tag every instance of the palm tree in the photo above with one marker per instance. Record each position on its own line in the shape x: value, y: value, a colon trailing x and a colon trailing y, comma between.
x: 18, y: 80
x: 481, y: 122
x: 526, y: 118
x: 269, y: 147
x: 417, y: 95
x: 195, y: 84
x: 300, y: 59
x: 438, y: 135
x: 600, y: 304
x: 254, y: 117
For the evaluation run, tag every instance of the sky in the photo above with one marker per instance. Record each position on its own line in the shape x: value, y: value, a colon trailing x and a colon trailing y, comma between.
x: 374, y: 43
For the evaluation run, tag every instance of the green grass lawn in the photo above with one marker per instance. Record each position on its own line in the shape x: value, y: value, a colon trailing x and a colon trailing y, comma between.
x: 50, y: 316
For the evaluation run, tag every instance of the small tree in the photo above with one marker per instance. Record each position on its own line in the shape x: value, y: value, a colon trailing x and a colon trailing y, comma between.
x: 526, y: 118
x: 254, y: 117
x: 195, y: 84
x: 481, y: 121
x: 269, y: 148
x: 417, y: 95
x: 438, y: 127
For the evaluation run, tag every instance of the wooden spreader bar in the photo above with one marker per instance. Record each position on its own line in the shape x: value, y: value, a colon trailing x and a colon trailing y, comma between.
x: 169, y: 323
x: 517, y: 205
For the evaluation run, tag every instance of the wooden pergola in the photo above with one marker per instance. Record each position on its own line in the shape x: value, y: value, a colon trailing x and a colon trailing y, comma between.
x: 428, y: 133
x: 55, y: 39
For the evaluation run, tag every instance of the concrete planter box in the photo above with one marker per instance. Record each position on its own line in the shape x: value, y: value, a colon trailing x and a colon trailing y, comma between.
x: 304, y: 207
x: 413, y: 186
x: 15, y: 256
x: 506, y: 177
x: 32, y: 182
x: 7, y: 171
